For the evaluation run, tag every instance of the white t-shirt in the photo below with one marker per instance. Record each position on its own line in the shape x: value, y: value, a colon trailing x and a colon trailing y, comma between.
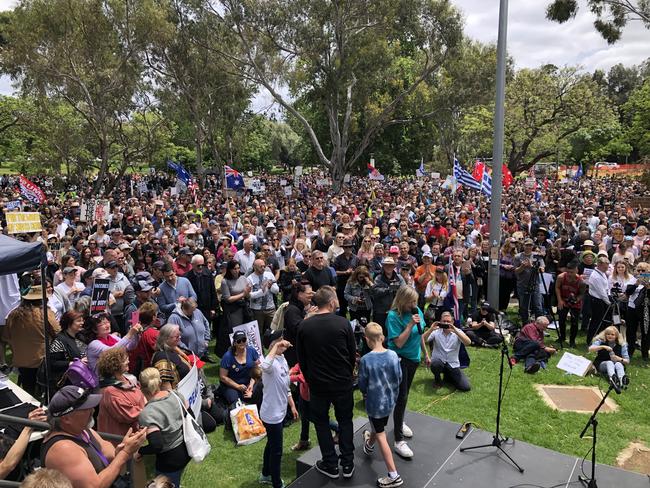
x: 275, y: 377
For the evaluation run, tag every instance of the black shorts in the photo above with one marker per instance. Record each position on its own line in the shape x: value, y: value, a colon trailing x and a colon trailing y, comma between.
x: 377, y: 425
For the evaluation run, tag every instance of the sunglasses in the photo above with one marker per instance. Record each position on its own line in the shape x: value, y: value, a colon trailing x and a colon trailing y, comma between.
x: 240, y: 341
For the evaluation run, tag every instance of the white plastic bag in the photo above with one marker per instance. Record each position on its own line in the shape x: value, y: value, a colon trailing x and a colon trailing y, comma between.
x: 246, y: 424
x: 196, y: 442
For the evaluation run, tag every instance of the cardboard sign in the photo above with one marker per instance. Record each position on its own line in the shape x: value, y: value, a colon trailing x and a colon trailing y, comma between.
x: 574, y: 364
x: 256, y: 186
x: 297, y: 171
x: 435, y: 176
x: 99, y: 296
x: 288, y: 191
x: 323, y: 182
x: 252, y: 331
x: 13, y: 205
x: 19, y: 222
x: 283, y: 182
x: 94, y: 210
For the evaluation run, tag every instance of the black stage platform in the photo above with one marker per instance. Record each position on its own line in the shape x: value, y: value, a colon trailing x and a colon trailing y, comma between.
x: 438, y: 463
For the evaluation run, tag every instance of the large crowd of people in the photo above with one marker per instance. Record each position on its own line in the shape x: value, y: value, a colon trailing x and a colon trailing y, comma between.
x: 365, y: 286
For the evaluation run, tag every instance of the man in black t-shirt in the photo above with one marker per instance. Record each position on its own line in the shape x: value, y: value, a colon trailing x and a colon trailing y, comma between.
x: 482, y: 329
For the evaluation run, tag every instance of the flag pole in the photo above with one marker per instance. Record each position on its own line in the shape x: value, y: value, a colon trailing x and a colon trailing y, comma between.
x: 497, y: 158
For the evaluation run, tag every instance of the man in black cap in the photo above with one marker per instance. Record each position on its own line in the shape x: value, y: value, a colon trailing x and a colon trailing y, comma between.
x: 481, y: 328
x: 76, y: 450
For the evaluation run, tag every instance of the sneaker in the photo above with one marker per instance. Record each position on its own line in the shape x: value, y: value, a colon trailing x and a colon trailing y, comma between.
x: 403, y: 450
x: 513, y: 361
x: 348, y: 471
x: 533, y: 368
x: 625, y: 380
x: 266, y: 480
x: 388, y: 482
x: 331, y: 471
x: 406, y: 431
x: 301, y: 446
x: 368, y: 448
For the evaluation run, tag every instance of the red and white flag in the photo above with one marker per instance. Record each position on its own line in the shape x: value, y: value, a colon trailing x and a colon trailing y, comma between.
x: 508, y: 179
x: 31, y: 191
x: 479, y: 168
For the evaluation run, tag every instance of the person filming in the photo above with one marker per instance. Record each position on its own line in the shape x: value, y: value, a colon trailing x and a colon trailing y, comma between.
x: 481, y: 328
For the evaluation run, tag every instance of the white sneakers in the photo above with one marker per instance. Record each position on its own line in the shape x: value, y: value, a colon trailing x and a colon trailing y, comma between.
x: 402, y: 449
x: 406, y: 431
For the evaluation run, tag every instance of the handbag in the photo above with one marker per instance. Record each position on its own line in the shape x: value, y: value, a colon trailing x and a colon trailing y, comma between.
x: 196, y: 442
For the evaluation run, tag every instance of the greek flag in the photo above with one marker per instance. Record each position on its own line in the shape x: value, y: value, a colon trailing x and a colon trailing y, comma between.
x: 486, y: 184
x: 463, y: 177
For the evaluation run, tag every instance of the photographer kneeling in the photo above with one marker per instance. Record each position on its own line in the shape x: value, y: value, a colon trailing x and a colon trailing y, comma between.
x: 446, y: 339
x: 481, y: 328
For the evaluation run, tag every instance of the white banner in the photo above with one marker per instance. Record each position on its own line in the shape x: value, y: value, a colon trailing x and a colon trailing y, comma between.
x: 190, y: 387
x: 252, y: 331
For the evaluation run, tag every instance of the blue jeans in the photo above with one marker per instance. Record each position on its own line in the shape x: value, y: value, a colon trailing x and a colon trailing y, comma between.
x: 527, y: 299
x: 174, y: 477
x: 272, y: 464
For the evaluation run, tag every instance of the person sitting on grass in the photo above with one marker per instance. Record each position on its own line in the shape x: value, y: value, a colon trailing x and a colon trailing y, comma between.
x: 446, y: 339
x: 482, y: 329
x: 380, y: 375
x: 611, y: 355
x: 529, y: 345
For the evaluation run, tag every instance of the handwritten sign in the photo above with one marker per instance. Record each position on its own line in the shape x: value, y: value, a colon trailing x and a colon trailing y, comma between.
x: 19, y: 222
x: 574, y: 364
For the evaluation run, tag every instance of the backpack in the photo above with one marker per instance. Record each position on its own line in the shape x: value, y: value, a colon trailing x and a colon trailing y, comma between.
x: 278, y: 317
x: 79, y: 374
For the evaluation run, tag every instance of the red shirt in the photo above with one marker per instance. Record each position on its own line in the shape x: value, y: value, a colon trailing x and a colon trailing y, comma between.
x: 531, y: 332
x: 140, y: 356
x: 181, y: 269
x: 439, y: 232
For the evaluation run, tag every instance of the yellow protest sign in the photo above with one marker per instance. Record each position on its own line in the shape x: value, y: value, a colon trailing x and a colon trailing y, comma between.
x: 19, y: 222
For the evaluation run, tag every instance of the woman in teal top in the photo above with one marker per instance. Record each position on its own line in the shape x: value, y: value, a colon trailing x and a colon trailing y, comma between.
x: 405, y: 323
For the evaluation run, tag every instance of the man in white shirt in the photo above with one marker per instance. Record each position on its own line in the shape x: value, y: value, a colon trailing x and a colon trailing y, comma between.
x: 262, y: 300
x: 599, y: 292
x: 246, y: 257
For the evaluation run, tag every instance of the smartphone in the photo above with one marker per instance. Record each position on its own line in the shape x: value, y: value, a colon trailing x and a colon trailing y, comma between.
x: 135, y: 318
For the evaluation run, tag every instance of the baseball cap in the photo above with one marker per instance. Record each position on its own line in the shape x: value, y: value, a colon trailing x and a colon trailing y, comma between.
x: 529, y: 242
x: 347, y: 244
x: 238, y: 336
x: 144, y: 276
x: 388, y: 260
x: 100, y: 273
x: 158, y: 264
x: 184, y: 251
x: 272, y: 335
x: 394, y: 249
x: 68, y: 270
x: 142, y: 286
x: 111, y: 264
x: 427, y: 255
x: 71, y: 398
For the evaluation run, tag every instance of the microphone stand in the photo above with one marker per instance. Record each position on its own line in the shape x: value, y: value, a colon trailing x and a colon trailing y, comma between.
x: 498, y: 440
x: 593, y: 422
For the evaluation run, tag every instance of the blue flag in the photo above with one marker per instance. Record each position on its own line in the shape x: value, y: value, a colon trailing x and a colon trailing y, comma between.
x: 181, y: 173
x: 234, y: 180
x: 578, y: 174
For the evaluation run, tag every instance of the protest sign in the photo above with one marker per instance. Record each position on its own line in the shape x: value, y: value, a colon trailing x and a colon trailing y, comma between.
x: 574, y: 364
x: 252, y: 331
x: 283, y: 182
x: 99, y: 296
x: 256, y: 186
x: 13, y: 205
x: 190, y: 387
x: 288, y: 191
x: 19, y: 222
x: 94, y: 210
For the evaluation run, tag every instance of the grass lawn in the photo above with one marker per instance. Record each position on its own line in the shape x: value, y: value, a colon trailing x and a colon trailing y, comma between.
x: 525, y: 417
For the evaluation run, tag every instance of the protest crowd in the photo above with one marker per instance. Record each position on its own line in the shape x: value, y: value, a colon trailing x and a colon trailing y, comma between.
x: 351, y: 290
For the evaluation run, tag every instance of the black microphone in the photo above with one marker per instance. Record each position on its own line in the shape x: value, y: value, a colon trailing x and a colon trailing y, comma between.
x: 613, y: 384
x: 414, y: 312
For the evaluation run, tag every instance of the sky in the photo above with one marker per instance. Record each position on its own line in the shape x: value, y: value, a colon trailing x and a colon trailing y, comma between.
x: 532, y: 40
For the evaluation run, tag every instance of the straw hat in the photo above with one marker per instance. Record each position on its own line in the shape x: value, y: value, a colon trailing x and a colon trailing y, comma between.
x: 34, y: 293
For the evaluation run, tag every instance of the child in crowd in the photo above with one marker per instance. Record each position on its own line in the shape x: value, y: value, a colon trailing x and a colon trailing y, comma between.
x: 275, y: 377
x: 611, y: 355
x: 379, y: 379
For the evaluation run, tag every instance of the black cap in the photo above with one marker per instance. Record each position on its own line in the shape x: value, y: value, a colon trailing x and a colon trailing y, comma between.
x: 111, y: 264
x: 239, y: 335
x: 272, y: 335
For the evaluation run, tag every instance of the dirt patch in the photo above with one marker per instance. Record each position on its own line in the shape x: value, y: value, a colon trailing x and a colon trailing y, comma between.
x: 635, y: 457
x: 580, y: 399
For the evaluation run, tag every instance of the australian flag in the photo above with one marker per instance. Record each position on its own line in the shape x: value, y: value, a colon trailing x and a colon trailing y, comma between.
x: 181, y: 173
x: 578, y: 174
x: 234, y: 180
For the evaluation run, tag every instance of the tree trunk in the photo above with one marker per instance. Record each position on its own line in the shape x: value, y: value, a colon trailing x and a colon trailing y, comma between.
x: 198, y: 144
x: 337, y: 172
x: 103, y: 170
x: 216, y: 156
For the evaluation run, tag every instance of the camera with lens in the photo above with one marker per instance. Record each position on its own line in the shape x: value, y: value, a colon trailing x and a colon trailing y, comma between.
x: 616, y: 291
x: 572, y: 300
